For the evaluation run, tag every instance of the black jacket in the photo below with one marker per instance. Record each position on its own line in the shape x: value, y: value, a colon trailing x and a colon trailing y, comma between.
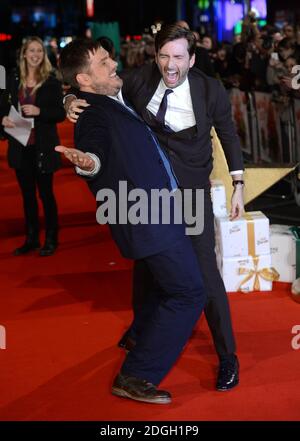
x: 49, y: 99
x: 190, y: 153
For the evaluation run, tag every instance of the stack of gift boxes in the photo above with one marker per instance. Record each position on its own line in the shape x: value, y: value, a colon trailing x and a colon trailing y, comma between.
x: 242, y: 247
x: 285, y: 251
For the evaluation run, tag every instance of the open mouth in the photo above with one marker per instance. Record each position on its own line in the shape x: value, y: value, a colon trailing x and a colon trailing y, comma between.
x: 172, y: 77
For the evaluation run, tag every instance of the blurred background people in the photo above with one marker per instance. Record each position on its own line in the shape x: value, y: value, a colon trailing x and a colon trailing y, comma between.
x: 53, y: 52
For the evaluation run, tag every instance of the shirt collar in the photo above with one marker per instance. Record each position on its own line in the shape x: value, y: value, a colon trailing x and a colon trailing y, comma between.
x: 118, y: 97
x: 183, y: 88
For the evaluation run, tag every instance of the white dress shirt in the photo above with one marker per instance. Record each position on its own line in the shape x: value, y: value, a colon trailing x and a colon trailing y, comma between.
x: 180, y: 113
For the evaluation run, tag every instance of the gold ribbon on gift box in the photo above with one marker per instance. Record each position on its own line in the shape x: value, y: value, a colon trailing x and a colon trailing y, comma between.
x: 250, y: 233
x: 269, y: 274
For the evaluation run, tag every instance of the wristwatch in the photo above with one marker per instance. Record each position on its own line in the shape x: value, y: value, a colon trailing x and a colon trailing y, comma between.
x: 238, y: 181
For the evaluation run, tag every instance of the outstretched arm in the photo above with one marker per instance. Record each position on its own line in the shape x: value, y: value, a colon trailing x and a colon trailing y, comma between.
x: 223, y: 123
x: 81, y: 160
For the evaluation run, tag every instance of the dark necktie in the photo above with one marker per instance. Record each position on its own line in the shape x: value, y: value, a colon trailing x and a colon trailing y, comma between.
x: 160, y: 116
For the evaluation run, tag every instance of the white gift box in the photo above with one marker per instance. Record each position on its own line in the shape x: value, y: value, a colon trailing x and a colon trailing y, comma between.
x: 283, y: 252
x: 218, y: 197
x: 246, y: 273
x: 246, y: 236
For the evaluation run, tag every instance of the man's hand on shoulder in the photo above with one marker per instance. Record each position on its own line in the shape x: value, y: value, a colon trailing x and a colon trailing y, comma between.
x: 74, y: 107
x: 77, y: 157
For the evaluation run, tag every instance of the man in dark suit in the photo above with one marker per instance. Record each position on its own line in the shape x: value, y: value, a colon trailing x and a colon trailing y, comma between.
x: 192, y: 104
x: 181, y: 104
x: 114, y: 144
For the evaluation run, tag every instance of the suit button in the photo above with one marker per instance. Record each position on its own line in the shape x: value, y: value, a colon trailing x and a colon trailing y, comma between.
x: 160, y: 161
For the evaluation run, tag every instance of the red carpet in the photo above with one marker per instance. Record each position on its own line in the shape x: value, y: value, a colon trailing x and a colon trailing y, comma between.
x: 64, y: 314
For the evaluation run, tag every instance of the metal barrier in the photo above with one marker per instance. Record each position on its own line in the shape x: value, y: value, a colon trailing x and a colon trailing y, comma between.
x: 269, y: 131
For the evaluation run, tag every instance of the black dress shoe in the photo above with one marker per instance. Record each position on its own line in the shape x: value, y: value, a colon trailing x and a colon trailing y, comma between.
x: 48, y: 249
x: 140, y: 390
x: 127, y: 343
x: 228, y: 376
x: 26, y: 248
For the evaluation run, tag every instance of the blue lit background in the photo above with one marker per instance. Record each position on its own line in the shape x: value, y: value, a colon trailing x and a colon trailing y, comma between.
x: 226, y: 15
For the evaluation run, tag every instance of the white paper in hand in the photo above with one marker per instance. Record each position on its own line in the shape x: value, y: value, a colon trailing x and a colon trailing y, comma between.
x: 23, y: 126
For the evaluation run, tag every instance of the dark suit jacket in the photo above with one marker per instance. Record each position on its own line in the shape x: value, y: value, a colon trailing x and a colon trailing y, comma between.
x: 128, y: 153
x: 49, y: 99
x: 190, y: 154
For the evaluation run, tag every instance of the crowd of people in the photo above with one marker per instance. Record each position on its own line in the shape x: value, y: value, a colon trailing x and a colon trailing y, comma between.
x: 257, y: 59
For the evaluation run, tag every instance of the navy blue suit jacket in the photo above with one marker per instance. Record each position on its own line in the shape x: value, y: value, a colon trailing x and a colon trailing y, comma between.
x: 127, y: 152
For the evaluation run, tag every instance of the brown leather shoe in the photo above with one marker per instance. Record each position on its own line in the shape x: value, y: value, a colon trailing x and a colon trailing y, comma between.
x: 134, y: 388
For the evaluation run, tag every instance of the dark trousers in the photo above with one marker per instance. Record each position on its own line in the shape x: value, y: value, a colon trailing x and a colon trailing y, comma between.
x: 30, y: 180
x: 179, y: 301
x: 217, y: 312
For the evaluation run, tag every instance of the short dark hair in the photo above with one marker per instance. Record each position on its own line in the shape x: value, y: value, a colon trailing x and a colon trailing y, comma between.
x: 106, y: 43
x: 174, y: 32
x: 74, y: 59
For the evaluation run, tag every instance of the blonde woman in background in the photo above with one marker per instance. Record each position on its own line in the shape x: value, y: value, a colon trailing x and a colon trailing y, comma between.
x: 37, y: 94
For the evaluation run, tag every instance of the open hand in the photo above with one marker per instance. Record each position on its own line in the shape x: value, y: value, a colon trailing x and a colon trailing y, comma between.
x: 77, y: 157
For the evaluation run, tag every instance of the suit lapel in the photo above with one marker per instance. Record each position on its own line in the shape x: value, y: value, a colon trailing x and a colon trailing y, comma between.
x: 152, y: 84
x: 198, y: 99
x: 127, y: 110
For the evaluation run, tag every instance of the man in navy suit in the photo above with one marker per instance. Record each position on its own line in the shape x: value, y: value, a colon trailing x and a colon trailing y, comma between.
x: 114, y: 144
x: 191, y: 103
